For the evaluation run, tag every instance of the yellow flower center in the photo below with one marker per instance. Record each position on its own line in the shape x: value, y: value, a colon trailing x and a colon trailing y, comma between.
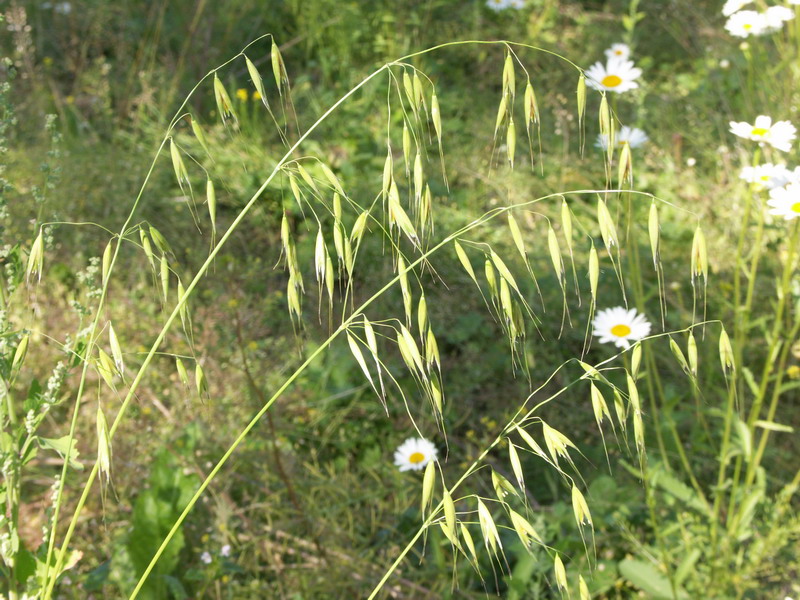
x: 796, y: 207
x: 765, y: 178
x: 759, y: 131
x: 620, y: 330
x: 416, y: 458
x: 611, y: 81
x: 747, y: 26
x: 618, y: 52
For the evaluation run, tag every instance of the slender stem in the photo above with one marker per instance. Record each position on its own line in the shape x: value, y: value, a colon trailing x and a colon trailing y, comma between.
x: 776, y: 394
x: 638, y: 287
x: 651, y: 505
x: 740, y: 321
x: 775, y: 341
x: 740, y: 315
x: 723, y: 456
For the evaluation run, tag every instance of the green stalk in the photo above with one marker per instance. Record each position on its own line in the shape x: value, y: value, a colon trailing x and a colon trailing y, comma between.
x: 740, y: 315
x: 775, y: 340
x: 776, y: 394
x: 650, y: 499
x: 740, y: 319
x: 722, y: 458
x: 638, y: 288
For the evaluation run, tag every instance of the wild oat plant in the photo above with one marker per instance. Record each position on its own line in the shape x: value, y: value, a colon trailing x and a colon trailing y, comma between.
x: 600, y: 248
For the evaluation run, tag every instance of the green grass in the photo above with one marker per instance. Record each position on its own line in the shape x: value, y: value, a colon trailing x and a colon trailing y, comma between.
x: 310, y: 502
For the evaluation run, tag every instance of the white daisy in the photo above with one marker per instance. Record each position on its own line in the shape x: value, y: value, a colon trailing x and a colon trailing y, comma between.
x: 498, y: 5
x: 620, y: 51
x: 206, y: 558
x: 765, y: 176
x: 785, y: 178
x: 617, y: 75
x: 633, y: 136
x: 778, y: 135
x: 414, y: 454
x: 785, y: 201
x: 620, y: 326
x: 777, y: 15
x: 732, y: 6
x: 746, y: 23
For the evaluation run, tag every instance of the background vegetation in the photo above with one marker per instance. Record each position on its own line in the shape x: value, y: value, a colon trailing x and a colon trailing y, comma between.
x: 311, y: 505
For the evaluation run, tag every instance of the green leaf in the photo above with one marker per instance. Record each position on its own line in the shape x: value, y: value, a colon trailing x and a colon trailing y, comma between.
x: 25, y: 565
x: 97, y: 578
x: 34, y: 398
x: 175, y: 587
x: 61, y: 445
x: 678, y: 489
x: 686, y: 566
x: 648, y: 579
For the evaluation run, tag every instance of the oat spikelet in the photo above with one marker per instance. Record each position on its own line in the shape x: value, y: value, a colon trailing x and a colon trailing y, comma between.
x: 200, y: 381
x: 561, y: 574
x: 182, y: 374
x: 200, y: 135
x: 726, y: 352
x: 278, y: 68
x: 224, y: 105
x: 147, y: 248
x: 579, y: 508
x: 428, y: 483
x: 525, y: 531
x: 691, y: 352
x: 449, y: 512
x: 36, y: 258
x: 104, y: 452
x: 511, y: 142
x: 581, y: 97
x: 491, y: 538
x: 116, y: 350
